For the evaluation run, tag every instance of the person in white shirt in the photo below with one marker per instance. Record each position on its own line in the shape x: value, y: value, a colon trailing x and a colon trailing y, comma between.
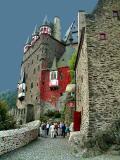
x: 52, y: 130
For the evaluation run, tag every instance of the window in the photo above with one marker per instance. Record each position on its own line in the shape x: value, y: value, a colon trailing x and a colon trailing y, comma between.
x: 34, y: 71
x: 61, y: 76
x: 38, y: 67
x: 44, y: 29
x: 115, y: 14
x: 41, y: 29
x: 31, y: 84
x: 61, y: 94
x: 81, y: 79
x: 53, y: 75
x: 102, y: 36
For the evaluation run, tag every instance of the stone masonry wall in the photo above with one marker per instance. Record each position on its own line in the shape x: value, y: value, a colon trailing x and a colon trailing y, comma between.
x: 13, y: 139
x: 104, y: 66
x: 82, y: 90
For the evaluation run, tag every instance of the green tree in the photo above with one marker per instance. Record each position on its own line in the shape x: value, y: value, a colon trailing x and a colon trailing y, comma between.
x: 10, y: 97
x: 72, y: 65
x: 6, y: 121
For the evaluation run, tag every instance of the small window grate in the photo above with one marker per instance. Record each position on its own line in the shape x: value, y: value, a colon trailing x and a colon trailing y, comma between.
x: 103, y: 36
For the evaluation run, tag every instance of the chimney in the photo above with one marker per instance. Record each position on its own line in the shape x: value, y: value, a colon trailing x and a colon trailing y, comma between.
x: 57, y: 28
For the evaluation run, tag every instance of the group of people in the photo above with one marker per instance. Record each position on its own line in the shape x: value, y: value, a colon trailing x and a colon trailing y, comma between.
x: 54, y: 129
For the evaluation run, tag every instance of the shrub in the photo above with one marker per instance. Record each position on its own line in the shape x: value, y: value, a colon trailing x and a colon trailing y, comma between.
x: 6, y: 121
x: 103, y: 140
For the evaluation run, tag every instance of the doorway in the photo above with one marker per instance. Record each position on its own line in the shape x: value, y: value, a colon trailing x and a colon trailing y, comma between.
x: 30, y: 113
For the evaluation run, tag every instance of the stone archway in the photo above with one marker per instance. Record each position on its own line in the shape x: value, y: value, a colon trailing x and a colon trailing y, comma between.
x: 30, y: 113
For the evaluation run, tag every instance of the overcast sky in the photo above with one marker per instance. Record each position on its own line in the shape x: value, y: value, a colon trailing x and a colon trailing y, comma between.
x: 17, y: 21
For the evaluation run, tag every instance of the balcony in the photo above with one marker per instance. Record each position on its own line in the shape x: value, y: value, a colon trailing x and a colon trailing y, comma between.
x: 21, y: 96
x: 53, y: 83
x: 21, y: 91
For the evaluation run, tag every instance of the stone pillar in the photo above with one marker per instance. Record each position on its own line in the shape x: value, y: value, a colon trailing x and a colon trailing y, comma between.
x: 81, y: 23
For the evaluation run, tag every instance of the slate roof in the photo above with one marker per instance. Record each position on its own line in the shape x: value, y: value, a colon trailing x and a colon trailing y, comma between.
x: 64, y: 60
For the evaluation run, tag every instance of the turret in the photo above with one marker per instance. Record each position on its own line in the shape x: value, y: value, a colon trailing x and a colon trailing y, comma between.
x: 27, y: 45
x: 35, y: 35
x: 21, y: 86
x: 45, y: 28
x: 57, y: 28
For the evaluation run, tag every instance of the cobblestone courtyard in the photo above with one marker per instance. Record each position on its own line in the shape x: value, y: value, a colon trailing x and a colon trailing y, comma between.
x: 42, y: 149
x: 49, y: 149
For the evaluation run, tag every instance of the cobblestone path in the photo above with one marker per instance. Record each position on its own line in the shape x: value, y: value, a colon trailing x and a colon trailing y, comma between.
x: 49, y: 149
x: 43, y: 149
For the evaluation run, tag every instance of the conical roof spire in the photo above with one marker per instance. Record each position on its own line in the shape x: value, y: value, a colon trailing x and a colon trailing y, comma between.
x: 54, y: 65
x: 28, y: 40
x: 45, y: 21
x: 35, y: 32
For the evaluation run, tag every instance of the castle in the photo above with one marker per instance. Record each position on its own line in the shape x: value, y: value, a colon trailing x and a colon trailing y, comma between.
x: 45, y: 70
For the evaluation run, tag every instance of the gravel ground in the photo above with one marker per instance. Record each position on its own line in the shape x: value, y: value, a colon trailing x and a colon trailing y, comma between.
x: 49, y: 149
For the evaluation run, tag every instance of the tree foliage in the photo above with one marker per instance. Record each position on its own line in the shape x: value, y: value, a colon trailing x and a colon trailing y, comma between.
x: 72, y: 65
x: 10, y: 97
x: 6, y: 121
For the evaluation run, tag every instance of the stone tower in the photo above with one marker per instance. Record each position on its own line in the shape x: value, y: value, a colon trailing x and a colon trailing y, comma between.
x: 98, y: 68
x: 39, y: 52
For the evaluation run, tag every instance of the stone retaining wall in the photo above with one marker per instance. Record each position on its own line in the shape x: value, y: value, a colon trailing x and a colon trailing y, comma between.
x: 12, y: 139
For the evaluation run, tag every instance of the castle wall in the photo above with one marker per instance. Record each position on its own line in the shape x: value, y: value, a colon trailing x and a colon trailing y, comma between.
x: 16, y: 138
x: 52, y: 96
x: 82, y: 89
x: 103, y: 66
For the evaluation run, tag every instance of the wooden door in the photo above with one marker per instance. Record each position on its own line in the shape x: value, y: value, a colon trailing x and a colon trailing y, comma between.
x: 77, y: 121
x: 30, y: 113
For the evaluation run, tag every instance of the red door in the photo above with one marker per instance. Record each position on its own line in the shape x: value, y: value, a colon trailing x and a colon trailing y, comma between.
x: 77, y: 121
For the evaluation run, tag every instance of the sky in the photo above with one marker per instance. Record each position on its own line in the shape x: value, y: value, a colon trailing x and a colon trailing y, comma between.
x: 17, y: 21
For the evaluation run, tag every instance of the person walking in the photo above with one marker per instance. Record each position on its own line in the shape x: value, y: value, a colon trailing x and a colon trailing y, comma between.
x: 67, y: 130
x: 56, y: 129
x: 47, y: 128
x: 60, y: 129
x: 63, y: 130
x: 43, y: 127
x: 52, y: 130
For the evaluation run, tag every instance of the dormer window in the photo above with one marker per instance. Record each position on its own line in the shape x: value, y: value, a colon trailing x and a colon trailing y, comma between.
x: 53, y: 75
x: 45, y: 29
x: 53, y: 79
x: 103, y: 36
